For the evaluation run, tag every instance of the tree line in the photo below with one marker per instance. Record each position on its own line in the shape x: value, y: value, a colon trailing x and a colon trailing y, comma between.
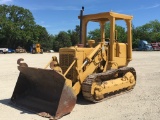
x: 18, y: 28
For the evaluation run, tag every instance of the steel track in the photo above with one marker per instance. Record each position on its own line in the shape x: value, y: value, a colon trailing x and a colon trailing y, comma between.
x: 106, y: 76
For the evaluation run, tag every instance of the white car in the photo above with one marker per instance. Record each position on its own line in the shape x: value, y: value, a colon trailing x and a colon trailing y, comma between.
x: 51, y: 51
x: 4, y: 50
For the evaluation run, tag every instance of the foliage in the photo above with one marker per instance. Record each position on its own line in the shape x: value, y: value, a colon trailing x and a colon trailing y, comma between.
x: 40, y: 35
x: 66, y: 39
x: 62, y: 40
x: 149, y: 31
x: 15, y: 25
x: 75, y: 38
x: 74, y: 35
x: 18, y: 28
x: 95, y: 34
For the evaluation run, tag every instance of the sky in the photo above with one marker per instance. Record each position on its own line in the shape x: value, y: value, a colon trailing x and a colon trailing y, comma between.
x: 62, y: 15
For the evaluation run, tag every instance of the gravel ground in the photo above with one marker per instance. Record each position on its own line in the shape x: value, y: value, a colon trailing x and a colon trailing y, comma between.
x: 142, y: 103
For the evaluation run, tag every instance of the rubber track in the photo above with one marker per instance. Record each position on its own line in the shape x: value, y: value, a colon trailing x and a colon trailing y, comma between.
x: 105, y: 76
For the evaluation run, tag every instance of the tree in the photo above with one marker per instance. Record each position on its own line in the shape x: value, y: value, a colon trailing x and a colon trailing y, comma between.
x: 149, y: 31
x: 16, y: 24
x: 40, y: 35
x: 96, y: 34
x: 52, y: 41
x: 154, y: 31
x: 62, y: 40
x: 74, y: 35
x: 18, y: 28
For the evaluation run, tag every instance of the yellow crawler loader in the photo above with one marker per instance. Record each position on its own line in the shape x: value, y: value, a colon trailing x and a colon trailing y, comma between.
x: 98, y: 71
x: 37, y: 49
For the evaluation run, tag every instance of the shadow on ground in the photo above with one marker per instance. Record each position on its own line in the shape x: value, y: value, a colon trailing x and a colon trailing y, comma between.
x: 7, y: 102
x: 82, y: 101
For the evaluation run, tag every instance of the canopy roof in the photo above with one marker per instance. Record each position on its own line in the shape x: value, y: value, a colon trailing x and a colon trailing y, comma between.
x: 105, y: 16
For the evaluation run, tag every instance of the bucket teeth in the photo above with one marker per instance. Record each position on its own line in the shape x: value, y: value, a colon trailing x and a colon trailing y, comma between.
x: 19, y: 62
x: 43, y: 91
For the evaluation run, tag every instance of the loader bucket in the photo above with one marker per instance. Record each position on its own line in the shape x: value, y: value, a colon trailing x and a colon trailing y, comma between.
x: 43, y: 91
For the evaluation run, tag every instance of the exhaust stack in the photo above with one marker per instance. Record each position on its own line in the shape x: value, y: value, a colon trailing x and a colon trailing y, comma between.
x: 81, y: 15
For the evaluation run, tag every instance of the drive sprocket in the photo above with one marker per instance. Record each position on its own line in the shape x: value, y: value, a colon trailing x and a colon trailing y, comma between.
x: 96, y: 81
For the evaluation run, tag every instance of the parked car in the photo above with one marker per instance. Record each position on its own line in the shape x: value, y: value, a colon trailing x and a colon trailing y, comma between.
x: 4, y: 50
x: 156, y: 46
x: 11, y: 50
x: 51, y: 51
x: 143, y: 45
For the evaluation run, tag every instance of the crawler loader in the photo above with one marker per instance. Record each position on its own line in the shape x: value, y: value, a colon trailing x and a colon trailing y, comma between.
x: 36, y: 48
x: 98, y: 71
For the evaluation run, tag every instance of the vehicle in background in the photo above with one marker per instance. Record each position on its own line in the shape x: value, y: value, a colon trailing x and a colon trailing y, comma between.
x: 4, y: 50
x: 51, y: 51
x: 20, y: 50
x: 143, y: 45
x: 11, y: 50
x: 156, y: 46
x: 36, y: 48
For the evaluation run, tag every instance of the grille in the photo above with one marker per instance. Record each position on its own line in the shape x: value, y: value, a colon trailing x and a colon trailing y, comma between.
x: 65, y: 61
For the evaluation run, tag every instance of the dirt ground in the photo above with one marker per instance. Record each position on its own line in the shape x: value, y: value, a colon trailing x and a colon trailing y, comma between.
x: 142, y: 103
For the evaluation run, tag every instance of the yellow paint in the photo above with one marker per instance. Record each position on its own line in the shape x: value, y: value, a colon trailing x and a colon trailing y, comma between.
x: 79, y: 62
